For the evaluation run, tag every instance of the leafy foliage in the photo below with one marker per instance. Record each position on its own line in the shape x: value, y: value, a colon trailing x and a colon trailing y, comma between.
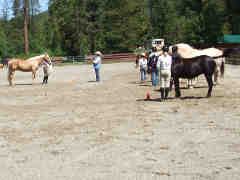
x: 80, y: 27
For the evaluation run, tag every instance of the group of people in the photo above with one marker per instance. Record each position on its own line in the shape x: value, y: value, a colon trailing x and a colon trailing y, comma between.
x: 159, y: 65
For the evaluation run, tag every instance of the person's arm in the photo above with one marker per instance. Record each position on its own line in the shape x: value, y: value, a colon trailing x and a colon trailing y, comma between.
x: 140, y: 62
x: 96, y: 60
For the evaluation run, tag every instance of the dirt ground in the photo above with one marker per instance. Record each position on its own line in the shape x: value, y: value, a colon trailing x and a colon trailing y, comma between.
x: 74, y: 128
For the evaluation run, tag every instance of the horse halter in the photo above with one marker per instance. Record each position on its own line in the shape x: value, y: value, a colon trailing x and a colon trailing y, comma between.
x: 174, y: 49
x: 47, y: 61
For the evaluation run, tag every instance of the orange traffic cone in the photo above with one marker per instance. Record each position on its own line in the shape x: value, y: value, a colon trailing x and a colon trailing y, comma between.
x: 148, y: 96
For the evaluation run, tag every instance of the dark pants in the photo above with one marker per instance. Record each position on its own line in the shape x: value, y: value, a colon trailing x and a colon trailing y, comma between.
x: 45, y: 80
x: 97, y: 72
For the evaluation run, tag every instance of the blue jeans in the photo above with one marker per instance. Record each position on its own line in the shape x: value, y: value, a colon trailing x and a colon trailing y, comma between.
x: 97, y: 72
x: 143, y: 73
x: 155, y: 78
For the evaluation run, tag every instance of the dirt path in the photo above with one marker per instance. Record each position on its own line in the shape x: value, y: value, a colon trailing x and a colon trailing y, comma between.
x: 75, y: 128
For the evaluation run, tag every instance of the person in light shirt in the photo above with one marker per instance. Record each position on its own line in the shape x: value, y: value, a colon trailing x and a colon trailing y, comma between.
x: 143, y: 67
x: 47, y: 70
x: 97, y: 62
x: 164, y: 64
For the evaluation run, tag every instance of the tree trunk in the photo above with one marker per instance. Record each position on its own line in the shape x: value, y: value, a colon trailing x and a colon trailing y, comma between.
x: 26, y: 27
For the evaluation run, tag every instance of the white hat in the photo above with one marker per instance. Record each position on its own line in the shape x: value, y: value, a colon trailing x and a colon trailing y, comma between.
x: 98, y: 53
x: 142, y: 54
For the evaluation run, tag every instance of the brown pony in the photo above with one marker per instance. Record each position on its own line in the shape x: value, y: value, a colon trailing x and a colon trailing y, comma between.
x: 28, y: 65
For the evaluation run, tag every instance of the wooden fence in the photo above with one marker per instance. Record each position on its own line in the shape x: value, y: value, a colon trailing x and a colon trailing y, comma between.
x: 123, y: 57
x: 233, y: 60
x: 106, y: 58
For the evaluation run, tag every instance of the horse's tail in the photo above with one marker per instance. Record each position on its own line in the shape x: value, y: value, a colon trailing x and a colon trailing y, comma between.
x: 9, y: 66
x: 222, y: 68
x: 8, y: 71
x: 231, y: 51
x: 228, y: 52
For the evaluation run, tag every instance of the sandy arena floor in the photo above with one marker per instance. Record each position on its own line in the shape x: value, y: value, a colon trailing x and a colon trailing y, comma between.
x: 75, y: 128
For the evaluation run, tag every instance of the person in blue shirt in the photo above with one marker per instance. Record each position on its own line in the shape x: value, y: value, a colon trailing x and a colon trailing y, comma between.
x: 97, y: 62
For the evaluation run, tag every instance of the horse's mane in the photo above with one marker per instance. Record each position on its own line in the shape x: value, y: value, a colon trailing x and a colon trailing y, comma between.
x: 36, y: 57
x: 183, y: 45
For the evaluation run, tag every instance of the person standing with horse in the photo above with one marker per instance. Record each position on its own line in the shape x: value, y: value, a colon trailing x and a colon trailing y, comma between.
x: 97, y: 62
x: 164, y: 64
x: 47, y: 70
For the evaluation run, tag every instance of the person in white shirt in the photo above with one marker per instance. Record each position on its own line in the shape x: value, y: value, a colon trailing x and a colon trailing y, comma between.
x: 143, y: 66
x: 164, y: 64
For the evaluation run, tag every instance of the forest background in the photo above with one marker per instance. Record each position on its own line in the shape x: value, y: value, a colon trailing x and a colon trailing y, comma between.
x: 80, y: 27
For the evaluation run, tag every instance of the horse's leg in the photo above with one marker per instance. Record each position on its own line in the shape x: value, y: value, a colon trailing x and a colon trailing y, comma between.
x: 190, y: 83
x: 171, y: 84
x: 33, y: 76
x: 216, y: 76
x: 177, y: 88
x: 210, y: 84
x: 217, y: 73
x: 10, y: 77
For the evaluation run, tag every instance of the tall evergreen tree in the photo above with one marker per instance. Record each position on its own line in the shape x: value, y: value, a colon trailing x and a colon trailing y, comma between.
x: 17, y: 7
x: 124, y: 24
x: 3, y: 44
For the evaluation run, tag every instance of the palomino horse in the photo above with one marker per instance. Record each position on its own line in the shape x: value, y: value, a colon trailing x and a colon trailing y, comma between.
x: 188, y: 52
x: 28, y: 65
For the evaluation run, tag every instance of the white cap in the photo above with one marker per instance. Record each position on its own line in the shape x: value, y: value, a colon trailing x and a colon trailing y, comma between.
x: 98, y: 53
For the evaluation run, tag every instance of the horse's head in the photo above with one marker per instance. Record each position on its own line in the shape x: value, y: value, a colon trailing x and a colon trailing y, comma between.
x: 47, y: 59
x: 174, y: 49
x: 176, y: 58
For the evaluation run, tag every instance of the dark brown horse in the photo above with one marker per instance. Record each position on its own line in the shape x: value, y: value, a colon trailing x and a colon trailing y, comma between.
x: 191, y: 68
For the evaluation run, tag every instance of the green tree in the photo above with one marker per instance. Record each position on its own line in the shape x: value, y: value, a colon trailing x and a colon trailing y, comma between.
x: 3, y: 44
x: 17, y: 7
x: 124, y: 25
